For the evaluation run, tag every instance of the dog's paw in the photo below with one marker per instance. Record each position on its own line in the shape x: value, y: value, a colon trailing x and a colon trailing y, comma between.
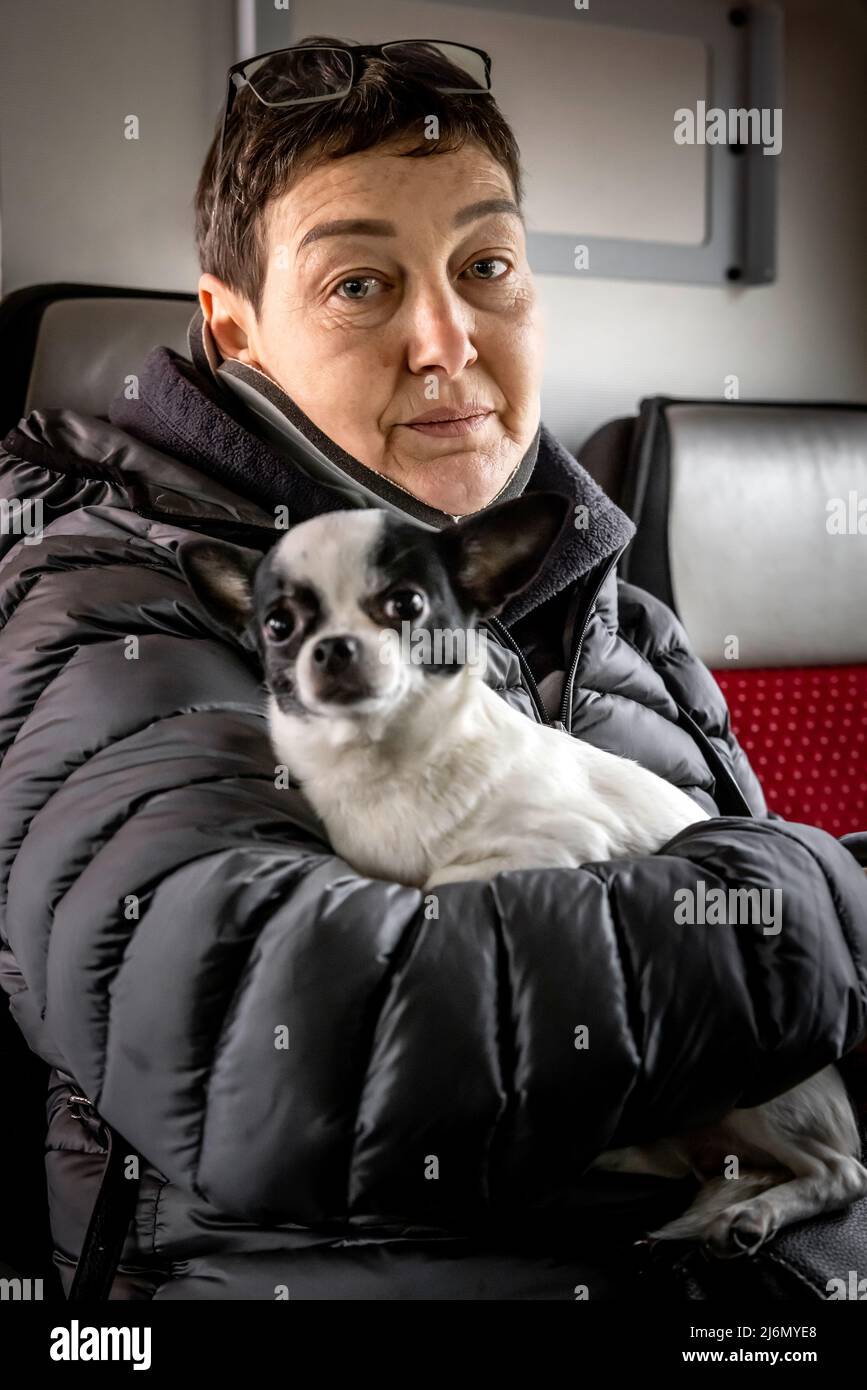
x: 742, y: 1230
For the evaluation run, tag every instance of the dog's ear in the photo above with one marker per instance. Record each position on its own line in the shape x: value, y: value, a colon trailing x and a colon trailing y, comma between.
x: 494, y: 555
x: 221, y: 577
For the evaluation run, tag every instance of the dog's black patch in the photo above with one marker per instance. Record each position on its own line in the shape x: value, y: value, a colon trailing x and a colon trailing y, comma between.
x: 275, y: 596
x: 408, y: 557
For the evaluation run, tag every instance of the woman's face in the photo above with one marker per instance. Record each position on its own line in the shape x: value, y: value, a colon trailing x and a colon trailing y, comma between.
x: 397, y: 287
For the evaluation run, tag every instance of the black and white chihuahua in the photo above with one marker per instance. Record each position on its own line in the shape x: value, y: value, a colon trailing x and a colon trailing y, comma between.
x: 423, y: 775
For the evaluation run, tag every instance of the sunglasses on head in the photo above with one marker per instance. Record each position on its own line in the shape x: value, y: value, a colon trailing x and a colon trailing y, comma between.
x: 308, y: 73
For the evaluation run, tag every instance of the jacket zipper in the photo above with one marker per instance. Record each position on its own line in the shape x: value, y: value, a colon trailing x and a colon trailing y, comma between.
x: 82, y: 1109
x: 566, y: 703
x: 77, y: 1103
x: 508, y: 640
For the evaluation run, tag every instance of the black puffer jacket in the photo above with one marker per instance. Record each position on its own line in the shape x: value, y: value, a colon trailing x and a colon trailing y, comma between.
x: 336, y: 1097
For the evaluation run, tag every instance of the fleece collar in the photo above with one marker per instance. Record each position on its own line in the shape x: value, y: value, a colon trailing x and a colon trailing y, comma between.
x: 186, y: 413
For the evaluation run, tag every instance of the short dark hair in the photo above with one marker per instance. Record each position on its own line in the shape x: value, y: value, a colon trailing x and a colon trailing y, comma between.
x: 267, y: 149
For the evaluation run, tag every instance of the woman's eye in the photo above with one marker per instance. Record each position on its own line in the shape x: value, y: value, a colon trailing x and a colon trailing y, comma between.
x: 404, y: 604
x: 357, y: 287
x: 279, y: 626
x: 491, y: 268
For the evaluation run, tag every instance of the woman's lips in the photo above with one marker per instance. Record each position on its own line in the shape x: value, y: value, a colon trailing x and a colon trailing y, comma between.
x: 440, y: 422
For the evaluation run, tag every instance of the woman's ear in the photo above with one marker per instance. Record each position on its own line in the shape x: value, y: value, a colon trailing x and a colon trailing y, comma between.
x: 221, y: 577
x: 494, y: 555
x: 230, y: 318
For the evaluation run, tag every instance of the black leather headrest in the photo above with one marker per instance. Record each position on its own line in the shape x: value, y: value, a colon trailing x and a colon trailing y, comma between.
x: 89, y: 349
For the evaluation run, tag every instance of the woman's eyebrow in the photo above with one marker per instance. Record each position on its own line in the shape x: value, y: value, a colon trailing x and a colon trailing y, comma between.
x: 368, y: 226
x: 473, y: 211
x: 348, y: 226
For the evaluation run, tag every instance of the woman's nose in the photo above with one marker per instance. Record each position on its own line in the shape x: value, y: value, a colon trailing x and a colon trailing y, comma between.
x: 439, y: 327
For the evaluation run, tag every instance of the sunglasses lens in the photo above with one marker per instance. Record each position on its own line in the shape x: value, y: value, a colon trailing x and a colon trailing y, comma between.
x: 447, y: 66
x: 300, y: 72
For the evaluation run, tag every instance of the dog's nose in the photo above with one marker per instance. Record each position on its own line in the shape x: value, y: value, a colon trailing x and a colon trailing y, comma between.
x: 334, y: 654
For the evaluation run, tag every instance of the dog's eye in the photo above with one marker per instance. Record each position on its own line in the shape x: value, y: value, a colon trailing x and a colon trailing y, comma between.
x: 279, y: 626
x: 404, y: 604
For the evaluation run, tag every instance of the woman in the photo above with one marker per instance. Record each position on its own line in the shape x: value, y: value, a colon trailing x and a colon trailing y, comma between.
x: 324, y: 1090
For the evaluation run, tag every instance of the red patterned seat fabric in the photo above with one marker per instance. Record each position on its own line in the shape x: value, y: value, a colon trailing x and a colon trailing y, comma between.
x: 804, y: 729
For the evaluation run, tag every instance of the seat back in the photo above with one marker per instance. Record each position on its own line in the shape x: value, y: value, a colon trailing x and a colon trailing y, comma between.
x: 75, y: 347
x: 752, y: 526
